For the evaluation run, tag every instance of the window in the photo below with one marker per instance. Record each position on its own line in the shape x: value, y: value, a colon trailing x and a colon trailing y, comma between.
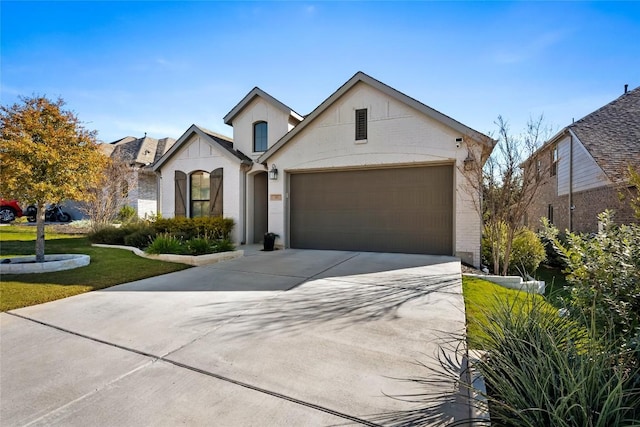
x: 538, y: 169
x: 550, y: 213
x: 260, y: 136
x: 554, y: 161
x: 200, y: 194
x: 361, y: 124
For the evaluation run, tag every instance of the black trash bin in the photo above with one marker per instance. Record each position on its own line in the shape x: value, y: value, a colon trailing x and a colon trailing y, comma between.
x: 269, y: 241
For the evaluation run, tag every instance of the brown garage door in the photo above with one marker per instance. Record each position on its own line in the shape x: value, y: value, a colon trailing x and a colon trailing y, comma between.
x: 405, y: 210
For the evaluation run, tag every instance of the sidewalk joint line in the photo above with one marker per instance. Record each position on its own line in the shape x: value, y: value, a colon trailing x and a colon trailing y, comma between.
x: 204, y: 372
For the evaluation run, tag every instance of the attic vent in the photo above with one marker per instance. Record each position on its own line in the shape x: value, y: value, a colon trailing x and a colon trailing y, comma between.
x: 361, y: 124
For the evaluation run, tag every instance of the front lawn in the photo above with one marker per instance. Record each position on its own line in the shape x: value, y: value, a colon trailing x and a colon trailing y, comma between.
x: 482, y: 297
x: 108, y: 267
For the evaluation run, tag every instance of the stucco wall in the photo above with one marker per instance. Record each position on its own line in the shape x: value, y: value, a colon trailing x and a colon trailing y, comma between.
x: 397, y: 134
x: 197, y: 154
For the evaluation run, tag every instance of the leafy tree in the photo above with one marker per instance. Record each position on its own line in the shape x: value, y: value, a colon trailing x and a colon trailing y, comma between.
x: 47, y: 156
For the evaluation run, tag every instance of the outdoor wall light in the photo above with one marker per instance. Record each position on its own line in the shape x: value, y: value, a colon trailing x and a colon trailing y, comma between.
x: 469, y: 163
x: 273, y: 173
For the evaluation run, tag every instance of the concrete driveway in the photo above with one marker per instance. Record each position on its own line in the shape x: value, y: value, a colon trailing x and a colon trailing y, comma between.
x: 293, y: 337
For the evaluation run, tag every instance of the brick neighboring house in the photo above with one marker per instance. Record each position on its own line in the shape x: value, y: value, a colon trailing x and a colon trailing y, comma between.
x: 141, y: 154
x: 586, y: 165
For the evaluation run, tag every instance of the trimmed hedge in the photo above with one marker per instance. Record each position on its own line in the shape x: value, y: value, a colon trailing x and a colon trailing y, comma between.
x: 215, y: 228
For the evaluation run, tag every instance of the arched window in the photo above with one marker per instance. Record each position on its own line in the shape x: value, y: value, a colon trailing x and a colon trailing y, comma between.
x: 260, y: 136
x: 200, y: 194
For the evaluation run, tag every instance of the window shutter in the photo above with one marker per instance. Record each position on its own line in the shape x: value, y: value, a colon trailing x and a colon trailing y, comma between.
x: 180, y: 193
x: 215, y: 180
x: 361, y: 124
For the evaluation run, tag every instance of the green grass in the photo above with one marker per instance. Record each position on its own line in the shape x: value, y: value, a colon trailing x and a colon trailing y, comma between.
x: 108, y: 267
x: 482, y: 297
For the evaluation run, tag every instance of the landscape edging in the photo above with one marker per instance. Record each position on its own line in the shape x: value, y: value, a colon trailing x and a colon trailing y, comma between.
x: 195, y: 260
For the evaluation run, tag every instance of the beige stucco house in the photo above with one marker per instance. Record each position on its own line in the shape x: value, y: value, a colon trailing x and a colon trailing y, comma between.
x: 370, y: 169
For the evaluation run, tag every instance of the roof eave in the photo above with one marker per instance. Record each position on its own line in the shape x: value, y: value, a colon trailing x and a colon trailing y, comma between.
x: 176, y: 146
x: 248, y: 98
x: 389, y: 91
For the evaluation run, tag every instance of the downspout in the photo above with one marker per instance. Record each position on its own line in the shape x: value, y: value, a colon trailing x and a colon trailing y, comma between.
x: 158, y: 193
x: 571, y: 207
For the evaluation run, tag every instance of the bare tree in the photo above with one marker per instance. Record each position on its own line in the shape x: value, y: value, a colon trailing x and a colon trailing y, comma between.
x: 111, y: 192
x: 508, y: 184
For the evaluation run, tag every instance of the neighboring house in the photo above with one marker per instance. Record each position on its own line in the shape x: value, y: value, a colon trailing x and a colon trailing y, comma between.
x: 370, y: 169
x: 140, y: 154
x: 586, y: 168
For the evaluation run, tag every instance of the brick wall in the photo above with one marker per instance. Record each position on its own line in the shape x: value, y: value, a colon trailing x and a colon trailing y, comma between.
x: 588, y: 204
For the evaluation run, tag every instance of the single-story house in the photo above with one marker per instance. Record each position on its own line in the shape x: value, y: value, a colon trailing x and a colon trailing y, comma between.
x: 369, y: 169
x: 587, y: 166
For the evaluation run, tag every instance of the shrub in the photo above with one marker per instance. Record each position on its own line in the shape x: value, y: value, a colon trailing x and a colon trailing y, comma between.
x: 545, y: 370
x: 604, y: 272
x: 549, y: 236
x: 126, y: 214
x: 224, y: 245
x: 108, y: 235
x: 166, y: 244
x: 212, y: 227
x: 199, y: 246
x: 527, y: 251
x: 140, y: 239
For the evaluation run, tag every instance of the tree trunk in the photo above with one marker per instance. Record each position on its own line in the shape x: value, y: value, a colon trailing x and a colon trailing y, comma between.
x: 40, y: 232
x: 507, y: 250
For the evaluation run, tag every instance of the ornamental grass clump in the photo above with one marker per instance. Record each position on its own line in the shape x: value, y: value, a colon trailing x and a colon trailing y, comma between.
x: 199, y: 246
x: 166, y: 244
x: 542, y: 369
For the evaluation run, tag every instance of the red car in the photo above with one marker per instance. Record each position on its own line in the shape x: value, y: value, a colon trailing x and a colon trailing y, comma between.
x: 9, y: 210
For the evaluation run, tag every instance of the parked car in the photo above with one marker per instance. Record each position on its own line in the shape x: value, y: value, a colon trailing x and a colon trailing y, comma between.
x: 9, y: 210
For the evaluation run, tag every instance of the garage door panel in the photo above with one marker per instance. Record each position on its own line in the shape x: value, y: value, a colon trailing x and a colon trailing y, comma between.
x: 408, y: 210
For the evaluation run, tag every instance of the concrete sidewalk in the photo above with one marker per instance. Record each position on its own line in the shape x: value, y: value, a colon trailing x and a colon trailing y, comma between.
x: 275, y: 338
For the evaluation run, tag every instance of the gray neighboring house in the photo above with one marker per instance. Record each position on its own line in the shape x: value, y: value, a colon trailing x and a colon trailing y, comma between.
x: 587, y: 163
x: 141, y: 154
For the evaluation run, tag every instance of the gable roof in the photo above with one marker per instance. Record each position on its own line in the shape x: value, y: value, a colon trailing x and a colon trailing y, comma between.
x: 387, y: 90
x: 213, y: 138
x: 257, y: 92
x: 141, y: 151
x: 611, y: 134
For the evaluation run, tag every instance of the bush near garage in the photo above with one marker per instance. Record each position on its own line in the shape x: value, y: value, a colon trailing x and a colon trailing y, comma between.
x: 527, y: 251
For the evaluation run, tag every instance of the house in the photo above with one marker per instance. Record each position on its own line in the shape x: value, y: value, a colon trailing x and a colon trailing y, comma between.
x: 140, y: 154
x: 586, y: 166
x: 370, y: 169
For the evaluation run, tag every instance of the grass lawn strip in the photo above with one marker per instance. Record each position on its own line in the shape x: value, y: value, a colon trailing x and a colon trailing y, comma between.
x: 108, y: 267
x: 482, y: 297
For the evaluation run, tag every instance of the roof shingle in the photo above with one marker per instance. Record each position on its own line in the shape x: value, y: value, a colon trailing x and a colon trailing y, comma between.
x: 611, y: 134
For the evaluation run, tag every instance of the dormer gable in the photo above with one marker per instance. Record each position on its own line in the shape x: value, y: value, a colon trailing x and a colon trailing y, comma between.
x: 259, y: 120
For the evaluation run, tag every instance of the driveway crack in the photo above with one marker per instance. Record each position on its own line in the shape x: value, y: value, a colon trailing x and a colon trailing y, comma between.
x: 156, y: 358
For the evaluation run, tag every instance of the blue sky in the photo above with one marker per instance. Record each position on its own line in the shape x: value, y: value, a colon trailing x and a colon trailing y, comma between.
x: 127, y: 68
